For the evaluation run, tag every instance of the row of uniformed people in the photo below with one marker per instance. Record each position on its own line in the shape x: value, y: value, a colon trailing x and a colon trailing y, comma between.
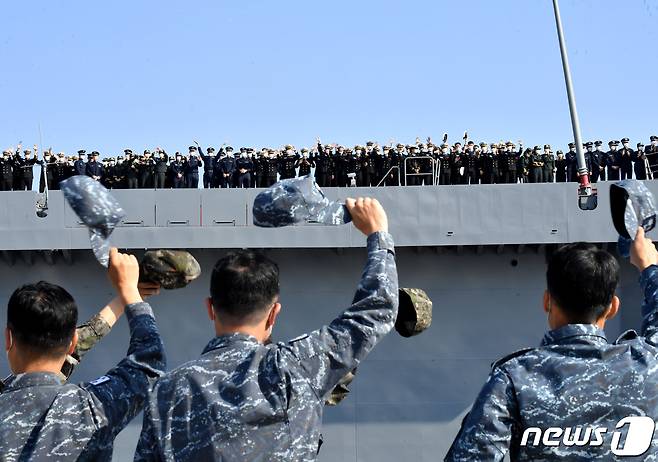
x: 334, y: 165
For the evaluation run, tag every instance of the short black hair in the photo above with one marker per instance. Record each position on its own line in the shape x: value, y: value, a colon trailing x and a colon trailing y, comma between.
x: 42, y: 318
x: 582, y: 280
x: 243, y: 285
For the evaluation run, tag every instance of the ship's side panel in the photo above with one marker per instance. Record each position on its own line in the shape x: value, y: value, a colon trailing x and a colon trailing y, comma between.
x: 419, y: 216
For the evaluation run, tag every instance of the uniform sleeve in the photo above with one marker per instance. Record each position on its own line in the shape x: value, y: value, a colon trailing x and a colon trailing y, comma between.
x: 89, y: 334
x: 147, y: 446
x: 649, y: 284
x: 122, y: 391
x: 486, y: 431
x: 327, y: 354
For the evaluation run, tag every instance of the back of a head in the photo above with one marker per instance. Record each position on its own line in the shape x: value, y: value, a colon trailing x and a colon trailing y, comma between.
x: 243, y: 286
x: 582, y: 280
x: 42, y: 318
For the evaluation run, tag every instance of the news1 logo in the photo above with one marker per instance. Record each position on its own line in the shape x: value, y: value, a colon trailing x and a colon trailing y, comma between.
x: 638, y: 438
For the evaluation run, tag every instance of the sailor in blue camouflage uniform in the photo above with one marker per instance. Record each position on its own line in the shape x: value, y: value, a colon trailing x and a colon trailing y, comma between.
x: 246, y: 400
x: 576, y: 383
x: 41, y: 417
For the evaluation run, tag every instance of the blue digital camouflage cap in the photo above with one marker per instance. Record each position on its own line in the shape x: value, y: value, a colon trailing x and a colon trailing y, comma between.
x: 297, y: 200
x: 97, y: 209
x: 632, y: 205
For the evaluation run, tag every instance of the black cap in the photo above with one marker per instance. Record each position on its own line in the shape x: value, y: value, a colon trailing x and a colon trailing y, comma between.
x: 653, y: 138
x: 640, y: 145
x: 128, y: 151
x: 589, y: 144
x: 81, y: 151
x: 192, y: 148
x: 211, y: 149
x: 611, y: 143
x: 598, y: 143
x: 572, y: 145
x: 229, y: 148
x: 625, y: 140
x: 95, y: 153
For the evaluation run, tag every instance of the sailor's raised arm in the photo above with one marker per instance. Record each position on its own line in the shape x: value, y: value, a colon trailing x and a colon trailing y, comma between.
x: 122, y: 390
x: 645, y: 258
x: 327, y: 354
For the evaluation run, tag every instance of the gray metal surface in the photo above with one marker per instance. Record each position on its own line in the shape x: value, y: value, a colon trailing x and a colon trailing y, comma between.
x: 419, y: 216
x: 410, y: 395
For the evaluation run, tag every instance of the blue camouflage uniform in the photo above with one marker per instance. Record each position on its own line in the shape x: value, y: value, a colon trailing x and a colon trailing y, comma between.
x: 41, y: 417
x: 575, y: 380
x: 243, y: 401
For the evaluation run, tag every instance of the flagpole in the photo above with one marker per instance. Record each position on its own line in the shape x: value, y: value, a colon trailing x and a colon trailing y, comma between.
x: 585, y: 190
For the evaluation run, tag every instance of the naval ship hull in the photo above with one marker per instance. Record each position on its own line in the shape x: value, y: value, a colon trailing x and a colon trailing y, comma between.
x: 478, y: 251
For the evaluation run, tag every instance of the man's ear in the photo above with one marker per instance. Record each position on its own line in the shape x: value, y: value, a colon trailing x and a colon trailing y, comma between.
x: 613, y: 309
x: 74, y: 343
x: 9, y: 341
x: 271, y: 318
x: 547, y: 301
x: 211, y: 311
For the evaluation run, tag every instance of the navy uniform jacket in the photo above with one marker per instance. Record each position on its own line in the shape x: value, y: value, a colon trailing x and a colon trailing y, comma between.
x: 244, y: 401
x: 192, y: 166
x: 42, y: 418
x: 177, y: 167
x: 245, y: 164
x: 572, y: 166
x: 94, y: 168
x: 80, y: 167
x: 227, y: 165
x: 208, y: 161
x: 574, y: 379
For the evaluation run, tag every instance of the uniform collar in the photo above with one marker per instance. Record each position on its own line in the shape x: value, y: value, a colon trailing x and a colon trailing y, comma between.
x: 229, y: 339
x: 575, y: 333
x: 33, y: 379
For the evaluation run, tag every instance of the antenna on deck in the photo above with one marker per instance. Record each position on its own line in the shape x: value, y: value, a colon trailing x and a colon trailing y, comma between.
x: 587, y: 196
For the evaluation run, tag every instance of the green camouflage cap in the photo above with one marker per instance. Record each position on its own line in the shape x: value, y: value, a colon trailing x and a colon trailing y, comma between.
x: 341, y: 390
x: 89, y: 334
x: 414, y: 313
x: 172, y: 269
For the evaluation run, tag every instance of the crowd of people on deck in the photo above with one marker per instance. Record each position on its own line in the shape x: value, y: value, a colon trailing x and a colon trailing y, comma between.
x: 333, y: 165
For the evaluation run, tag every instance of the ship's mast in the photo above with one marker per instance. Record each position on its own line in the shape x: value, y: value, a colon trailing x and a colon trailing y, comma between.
x: 587, y: 197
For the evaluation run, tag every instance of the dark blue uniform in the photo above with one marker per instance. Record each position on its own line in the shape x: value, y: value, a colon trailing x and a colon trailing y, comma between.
x: 80, y: 167
x: 42, y: 418
x: 226, y: 170
x: 208, y: 167
x: 177, y: 169
x: 243, y: 400
x: 192, y: 172
x: 575, y: 379
x: 94, y: 169
x: 244, y: 167
x: 572, y: 166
